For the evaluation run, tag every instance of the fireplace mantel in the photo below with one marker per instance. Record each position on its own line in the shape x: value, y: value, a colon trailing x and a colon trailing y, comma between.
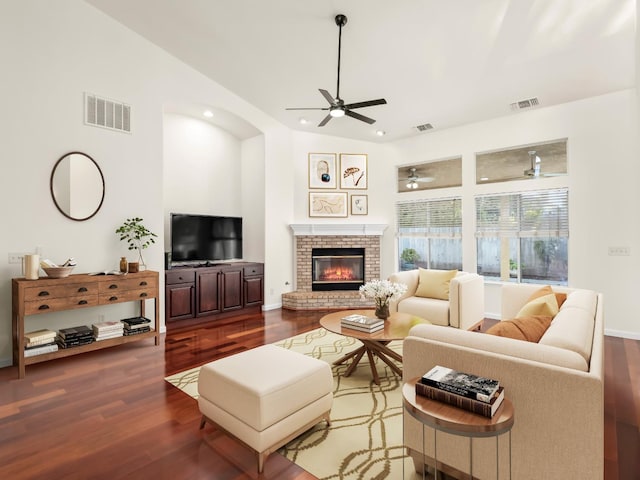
x: 367, y: 229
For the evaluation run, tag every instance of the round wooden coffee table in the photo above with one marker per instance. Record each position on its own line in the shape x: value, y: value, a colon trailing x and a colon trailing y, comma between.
x: 396, y: 327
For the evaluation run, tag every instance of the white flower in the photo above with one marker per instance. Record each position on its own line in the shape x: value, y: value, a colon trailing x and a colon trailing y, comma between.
x: 383, y: 291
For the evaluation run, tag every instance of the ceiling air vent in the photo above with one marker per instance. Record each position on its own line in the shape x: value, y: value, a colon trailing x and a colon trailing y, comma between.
x: 424, y: 127
x: 101, y: 112
x: 528, y: 103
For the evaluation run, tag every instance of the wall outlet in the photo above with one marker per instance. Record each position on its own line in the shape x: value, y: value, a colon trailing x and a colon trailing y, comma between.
x: 16, y: 258
x: 619, y: 251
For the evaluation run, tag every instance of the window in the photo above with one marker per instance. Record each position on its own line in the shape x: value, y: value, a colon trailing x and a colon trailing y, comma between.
x: 430, y: 175
x: 430, y: 234
x: 523, y: 236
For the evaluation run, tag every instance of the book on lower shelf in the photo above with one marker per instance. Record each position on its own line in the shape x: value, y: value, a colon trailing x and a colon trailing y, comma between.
x: 461, y: 383
x: 486, y: 409
x: 32, y: 352
x: 44, y: 335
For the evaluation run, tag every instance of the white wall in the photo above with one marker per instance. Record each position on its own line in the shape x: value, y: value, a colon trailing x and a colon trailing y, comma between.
x: 53, y: 52
x: 202, y: 170
x: 603, y: 195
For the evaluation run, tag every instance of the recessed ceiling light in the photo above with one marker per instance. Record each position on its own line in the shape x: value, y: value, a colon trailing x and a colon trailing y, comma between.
x: 381, y: 133
x: 303, y: 121
x: 208, y: 113
x: 484, y: 179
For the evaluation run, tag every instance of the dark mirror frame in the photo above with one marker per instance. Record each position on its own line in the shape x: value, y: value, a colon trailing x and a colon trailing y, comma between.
x: 53, y: 172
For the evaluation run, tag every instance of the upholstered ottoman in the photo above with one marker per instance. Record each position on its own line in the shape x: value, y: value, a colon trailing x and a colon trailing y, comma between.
x: 266, y: 396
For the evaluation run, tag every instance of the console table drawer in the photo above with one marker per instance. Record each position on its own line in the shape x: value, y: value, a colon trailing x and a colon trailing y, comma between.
x: 124, y: 284
x: 46, y: 305
x: 117, y: 296
x: 56, y: 291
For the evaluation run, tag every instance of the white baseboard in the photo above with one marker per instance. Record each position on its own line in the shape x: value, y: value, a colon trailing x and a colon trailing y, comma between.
x: 273, y: 306
x: 6, y: 362
x: 621, y: 334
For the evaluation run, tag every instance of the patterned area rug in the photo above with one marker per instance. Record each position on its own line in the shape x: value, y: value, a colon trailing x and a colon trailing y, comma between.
x: 365, y: 437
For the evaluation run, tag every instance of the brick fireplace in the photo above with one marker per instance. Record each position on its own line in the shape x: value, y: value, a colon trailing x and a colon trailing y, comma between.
x: 308, y: 237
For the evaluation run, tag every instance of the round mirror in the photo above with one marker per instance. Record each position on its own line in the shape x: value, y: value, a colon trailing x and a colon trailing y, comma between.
x: 77, y: 186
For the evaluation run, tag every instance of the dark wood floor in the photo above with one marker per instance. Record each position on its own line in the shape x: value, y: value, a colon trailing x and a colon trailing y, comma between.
x: 109, y: 414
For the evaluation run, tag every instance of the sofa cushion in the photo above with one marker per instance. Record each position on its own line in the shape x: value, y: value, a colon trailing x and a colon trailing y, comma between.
x: 432, y: 309
x: 542, y: 302
x: 434, y: 283
x: 530, y: 328
x: 572, y: 328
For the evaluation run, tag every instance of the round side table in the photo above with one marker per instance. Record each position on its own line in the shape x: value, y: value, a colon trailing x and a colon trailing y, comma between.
x: 456, y: 421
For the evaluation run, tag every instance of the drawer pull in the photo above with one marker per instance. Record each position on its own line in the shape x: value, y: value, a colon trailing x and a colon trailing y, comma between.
x: 43, y: 293
x: 82, y: 302
x: 113, y: 299
x: 112, y: 286
x: 144, y: 294
x: 43, y: 307
x: 82, y: 289
x: 143, y: 284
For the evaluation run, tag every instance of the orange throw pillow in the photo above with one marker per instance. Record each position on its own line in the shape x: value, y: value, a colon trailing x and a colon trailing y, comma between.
x: 530, y: 328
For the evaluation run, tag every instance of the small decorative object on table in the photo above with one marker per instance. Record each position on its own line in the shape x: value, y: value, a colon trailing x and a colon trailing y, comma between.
x: 137, y: 236
x: 54, y: 271
x: 382, y: 291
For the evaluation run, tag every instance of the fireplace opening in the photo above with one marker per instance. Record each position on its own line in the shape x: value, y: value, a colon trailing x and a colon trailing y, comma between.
x: 337, y: 269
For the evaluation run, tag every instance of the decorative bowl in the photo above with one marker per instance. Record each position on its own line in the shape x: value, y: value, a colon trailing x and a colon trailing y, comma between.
x: 58, y: 272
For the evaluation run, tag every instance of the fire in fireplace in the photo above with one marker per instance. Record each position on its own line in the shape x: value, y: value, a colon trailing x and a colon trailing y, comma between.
x: 337, y: 269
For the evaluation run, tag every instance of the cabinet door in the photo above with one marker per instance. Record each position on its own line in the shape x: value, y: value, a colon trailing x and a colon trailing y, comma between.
x: 253, y: 291
x: 179, y: 302
x: 208, y: 287
x: 231, y: 290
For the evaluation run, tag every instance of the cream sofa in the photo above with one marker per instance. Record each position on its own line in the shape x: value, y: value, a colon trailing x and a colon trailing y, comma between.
x: 464, y: 309
x: 556, y: 387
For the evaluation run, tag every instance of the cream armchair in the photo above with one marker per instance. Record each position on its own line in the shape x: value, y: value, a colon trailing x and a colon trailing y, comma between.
x: 463, y: 309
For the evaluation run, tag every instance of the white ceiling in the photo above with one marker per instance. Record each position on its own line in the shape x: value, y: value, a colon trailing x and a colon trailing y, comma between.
x: 444, y: 62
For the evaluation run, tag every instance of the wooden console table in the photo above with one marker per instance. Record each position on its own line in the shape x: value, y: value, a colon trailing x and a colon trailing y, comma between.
x: 45, y: 295
x: 456, y: 421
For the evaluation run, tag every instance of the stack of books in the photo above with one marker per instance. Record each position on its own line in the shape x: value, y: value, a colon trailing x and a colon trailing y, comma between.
x: 362, y: 323
x: 39, y: 342
x: 74, y: 336
x: 104, y: 330
x: 470, y: 392
x: 136, y: 325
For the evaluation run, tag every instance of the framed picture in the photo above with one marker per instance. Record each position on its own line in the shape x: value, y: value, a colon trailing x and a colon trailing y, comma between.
x: 353, y: 171
x: 322, y: 170
x: 327, y: 204
x: 359, y: 205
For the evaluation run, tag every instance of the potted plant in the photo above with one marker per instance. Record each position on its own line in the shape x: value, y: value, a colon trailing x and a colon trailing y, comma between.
x: 137, y: 236
x: 409, y: 257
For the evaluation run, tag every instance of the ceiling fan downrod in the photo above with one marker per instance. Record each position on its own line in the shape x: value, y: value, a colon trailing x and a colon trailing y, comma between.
x: 341, y: 21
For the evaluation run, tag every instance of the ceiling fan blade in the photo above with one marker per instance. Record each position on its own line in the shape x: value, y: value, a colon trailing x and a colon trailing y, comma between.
x: 309, y: 108
x: 325, y: 120
x: 370, y: 103
x: 357, y: 116
x: 327, y: 96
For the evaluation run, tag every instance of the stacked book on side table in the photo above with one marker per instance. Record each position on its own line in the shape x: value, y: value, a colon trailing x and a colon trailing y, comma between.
x: 136, y: 325
x: 39, y: 342
x: 470, y: 392
x: 362, y: 323
x: 105, y: 330
x: 74, y: 336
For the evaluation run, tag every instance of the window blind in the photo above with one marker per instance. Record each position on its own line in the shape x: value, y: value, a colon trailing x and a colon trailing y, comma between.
x: 430, y: 218
x: 542, y: 213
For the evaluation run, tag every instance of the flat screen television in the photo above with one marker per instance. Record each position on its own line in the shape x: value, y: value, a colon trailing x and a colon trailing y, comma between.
x: 205, y: 238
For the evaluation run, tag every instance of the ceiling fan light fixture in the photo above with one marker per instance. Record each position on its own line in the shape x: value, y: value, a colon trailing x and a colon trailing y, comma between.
x: 412, y: 185
x: 336, y: 112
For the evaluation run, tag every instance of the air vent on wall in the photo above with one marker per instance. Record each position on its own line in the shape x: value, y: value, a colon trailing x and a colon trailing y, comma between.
x: 101, y: 112
x: 424, y: 127
x: 528, y: 103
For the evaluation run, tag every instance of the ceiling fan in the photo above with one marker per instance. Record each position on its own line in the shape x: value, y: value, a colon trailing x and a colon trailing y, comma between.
x: 536, y: 166
x: 337, y: 106
x: 413, y: 179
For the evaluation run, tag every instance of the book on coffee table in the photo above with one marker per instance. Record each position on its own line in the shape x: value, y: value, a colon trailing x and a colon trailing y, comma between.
x: 362, y: 323
x: 461, y: 383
